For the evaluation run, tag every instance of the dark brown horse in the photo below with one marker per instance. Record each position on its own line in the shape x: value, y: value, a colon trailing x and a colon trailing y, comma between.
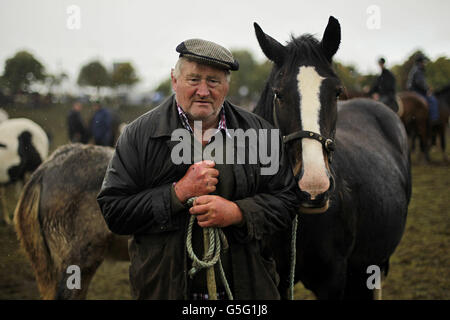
x: 413, y: 110
x: 59, y: 223
x: 439, y: 128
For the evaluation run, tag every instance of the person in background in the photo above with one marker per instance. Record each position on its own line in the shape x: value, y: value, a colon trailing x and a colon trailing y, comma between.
x: 417, y: 83
x: 77, y: 130
x: 101, y: 125
x: 383, y: 88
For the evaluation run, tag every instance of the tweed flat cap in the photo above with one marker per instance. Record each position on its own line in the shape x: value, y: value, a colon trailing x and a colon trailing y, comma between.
x: 208, y: 52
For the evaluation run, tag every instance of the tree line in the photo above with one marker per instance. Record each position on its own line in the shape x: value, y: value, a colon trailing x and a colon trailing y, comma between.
x: 23, y: 70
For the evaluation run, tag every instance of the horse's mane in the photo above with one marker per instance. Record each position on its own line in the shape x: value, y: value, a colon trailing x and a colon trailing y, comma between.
x: 305, y: 48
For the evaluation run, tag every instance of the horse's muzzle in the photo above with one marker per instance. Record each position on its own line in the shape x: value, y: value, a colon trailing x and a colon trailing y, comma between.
x: 318, y: 204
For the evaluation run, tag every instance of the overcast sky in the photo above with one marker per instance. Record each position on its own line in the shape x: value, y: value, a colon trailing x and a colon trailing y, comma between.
x: 146, y: 32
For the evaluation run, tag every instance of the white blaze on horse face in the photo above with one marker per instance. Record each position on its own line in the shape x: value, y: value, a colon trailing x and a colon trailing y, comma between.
x: 315, y: 180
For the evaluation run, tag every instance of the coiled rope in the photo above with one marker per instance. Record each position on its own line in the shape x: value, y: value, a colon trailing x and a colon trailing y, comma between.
x: 214, y: 240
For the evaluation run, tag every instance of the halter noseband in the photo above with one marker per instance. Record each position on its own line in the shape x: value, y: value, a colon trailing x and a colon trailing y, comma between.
x: 327, y: 143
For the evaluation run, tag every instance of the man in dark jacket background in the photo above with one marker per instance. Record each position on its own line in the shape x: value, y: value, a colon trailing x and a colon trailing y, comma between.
x: 101, y: 125
x: 76, y: 128
x: 383, y: 88
x: 417, y: 83
x: 146, y: 188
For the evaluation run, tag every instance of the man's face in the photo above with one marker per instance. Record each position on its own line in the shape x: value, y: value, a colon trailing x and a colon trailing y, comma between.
x: 77, y: 106
x: 200, y: 90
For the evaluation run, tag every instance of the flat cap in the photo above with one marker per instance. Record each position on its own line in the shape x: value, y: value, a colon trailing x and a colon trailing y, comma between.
x: 208, y: 52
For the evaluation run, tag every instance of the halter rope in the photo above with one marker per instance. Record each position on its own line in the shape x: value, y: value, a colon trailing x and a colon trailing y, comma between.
x: 214, y: 240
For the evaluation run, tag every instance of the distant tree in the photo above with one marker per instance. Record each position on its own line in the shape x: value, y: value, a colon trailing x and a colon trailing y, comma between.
x: 123, y: 74
x: 350, y: 77
x: 21, y: 71
x: 401, y: 71
x: 94, y: 74
x: 247, y: 83
x: 55, y: 80
x: 165, y: 87
x: 438, y: 73
x: 243, y: 77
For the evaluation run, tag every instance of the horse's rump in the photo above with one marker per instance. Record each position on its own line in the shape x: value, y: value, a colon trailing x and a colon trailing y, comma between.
x: 58, y: 220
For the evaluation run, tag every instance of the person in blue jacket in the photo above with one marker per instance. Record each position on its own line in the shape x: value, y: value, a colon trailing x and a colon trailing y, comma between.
x: 101, y: 126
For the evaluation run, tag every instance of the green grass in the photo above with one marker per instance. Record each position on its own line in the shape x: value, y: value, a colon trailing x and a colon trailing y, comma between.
x: 420, y: 267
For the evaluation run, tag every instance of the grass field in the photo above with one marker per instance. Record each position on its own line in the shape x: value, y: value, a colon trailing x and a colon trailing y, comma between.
x: 420, y: 267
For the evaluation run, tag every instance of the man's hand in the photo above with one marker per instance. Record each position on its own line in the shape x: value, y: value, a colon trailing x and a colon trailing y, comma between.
x: 215, y: 211
x: 200, y: 179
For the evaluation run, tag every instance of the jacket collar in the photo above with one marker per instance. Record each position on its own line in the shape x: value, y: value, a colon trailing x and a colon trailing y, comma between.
x: 166, y: 118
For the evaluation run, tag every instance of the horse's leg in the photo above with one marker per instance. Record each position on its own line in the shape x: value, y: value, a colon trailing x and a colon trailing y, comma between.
x: 356, y: 286
x: 423, y: 135
x: 326, y: 279
x: 442, y: 137
x: 66, y: 290
x: 4, y: 215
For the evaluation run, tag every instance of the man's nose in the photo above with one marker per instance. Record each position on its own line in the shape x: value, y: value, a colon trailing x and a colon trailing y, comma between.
x: 203, y: 89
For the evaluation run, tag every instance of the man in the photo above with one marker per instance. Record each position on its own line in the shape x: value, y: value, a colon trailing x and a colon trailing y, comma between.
x: 77, y: 130
x: 101, y: 126
x: 384, y: 87
x: 145, y: 193
x: 417, y: 83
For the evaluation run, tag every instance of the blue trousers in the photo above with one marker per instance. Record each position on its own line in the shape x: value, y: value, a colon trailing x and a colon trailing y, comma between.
x: 433, y: 108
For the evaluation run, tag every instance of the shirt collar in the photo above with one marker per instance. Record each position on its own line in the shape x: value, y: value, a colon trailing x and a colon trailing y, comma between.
x: 222, y: 121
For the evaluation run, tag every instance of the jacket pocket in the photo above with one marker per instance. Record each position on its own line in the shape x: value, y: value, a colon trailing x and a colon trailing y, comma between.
x: 271, y: 268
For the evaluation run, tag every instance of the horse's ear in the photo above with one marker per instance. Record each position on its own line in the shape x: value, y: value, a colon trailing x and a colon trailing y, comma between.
x: 273, y: 50
x: 331, y: 38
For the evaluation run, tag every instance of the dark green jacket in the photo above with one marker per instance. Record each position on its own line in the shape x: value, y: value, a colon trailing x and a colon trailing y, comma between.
x: 136, y: 199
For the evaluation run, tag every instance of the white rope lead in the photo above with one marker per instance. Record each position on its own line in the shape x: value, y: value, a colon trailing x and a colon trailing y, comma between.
x: 217, y: 241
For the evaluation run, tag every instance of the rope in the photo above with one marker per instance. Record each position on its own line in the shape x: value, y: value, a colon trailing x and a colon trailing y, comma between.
x: 216, y: 240
x: 293, y: 257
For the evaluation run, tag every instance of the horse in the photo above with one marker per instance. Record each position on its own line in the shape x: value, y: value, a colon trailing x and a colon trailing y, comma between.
x: 413, y: 111
x: 414, y: 114
x: 439, y: 128
x: 23, y: 147
x: 351, y: 162
x: 59, y: 223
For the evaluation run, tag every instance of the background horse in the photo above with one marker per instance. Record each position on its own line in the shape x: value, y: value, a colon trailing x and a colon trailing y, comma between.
x: 23, y: 147
x: 361, y: 196
x: 440, y: 127
x: 59, y: 223
x: 415, y: 117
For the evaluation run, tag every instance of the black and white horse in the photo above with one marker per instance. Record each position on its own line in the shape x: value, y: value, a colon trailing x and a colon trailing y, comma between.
x: 352, y: 166
x: 23, y: 147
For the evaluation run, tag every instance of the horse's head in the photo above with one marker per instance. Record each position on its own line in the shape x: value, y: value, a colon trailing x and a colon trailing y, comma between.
x: 301, y: 95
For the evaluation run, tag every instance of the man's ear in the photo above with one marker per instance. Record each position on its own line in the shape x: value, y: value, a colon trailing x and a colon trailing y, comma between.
x: 173, y: 81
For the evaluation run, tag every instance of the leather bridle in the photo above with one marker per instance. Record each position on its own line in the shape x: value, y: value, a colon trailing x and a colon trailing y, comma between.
x: 327, y: 143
